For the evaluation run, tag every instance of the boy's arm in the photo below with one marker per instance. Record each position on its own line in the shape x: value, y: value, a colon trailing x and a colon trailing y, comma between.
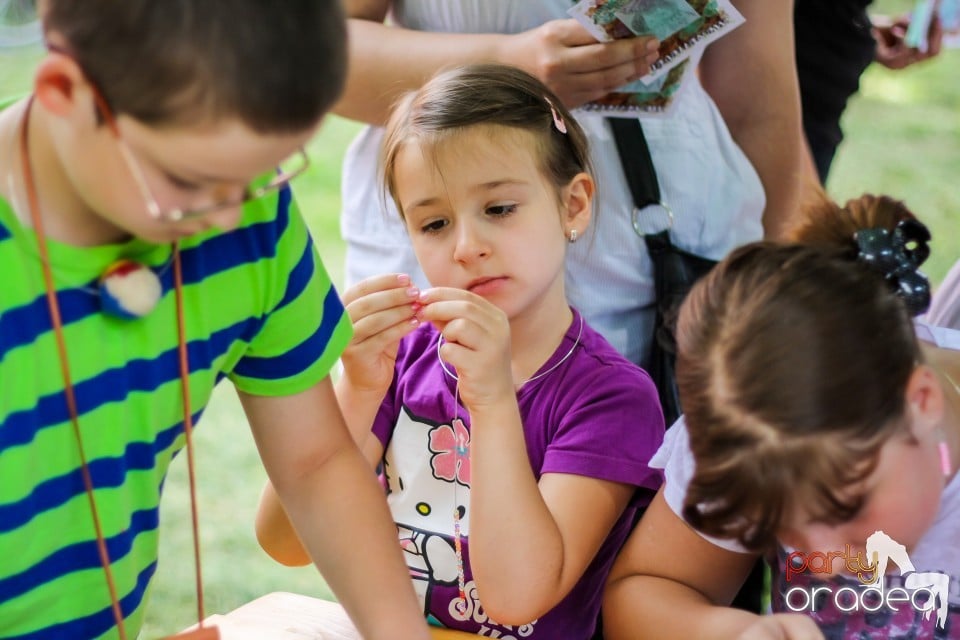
x: 338, y: 507
x: 274, y: 531
x: 669, y: 582
x: 751, y: 75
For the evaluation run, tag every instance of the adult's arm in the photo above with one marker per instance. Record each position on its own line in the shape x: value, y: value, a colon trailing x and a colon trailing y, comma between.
x: 337, y: 506
x: 751, y: 75
x: 387, y: 60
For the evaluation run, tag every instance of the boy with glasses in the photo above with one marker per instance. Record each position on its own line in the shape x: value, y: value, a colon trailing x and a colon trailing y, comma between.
x: 150, y: 247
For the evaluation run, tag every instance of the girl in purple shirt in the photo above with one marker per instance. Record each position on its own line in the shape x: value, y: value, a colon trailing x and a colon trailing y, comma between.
x: 514, y: 440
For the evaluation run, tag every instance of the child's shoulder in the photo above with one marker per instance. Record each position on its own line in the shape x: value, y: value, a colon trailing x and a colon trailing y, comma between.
x: 598, y: 373
x: 943, y: 337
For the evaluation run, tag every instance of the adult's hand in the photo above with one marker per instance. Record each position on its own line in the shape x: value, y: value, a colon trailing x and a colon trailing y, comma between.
x: 569, y: 60
x: 892, y: 50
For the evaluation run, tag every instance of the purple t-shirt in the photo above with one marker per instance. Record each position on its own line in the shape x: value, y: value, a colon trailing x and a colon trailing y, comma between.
x: 595, y: 415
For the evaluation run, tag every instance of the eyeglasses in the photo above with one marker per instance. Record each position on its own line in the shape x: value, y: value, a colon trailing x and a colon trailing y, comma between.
x: 287, y: 171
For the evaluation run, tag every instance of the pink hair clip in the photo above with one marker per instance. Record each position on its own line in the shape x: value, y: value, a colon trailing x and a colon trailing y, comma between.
x: 557, y: 120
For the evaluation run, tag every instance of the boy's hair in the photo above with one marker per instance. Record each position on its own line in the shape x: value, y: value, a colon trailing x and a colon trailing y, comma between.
x: 277, y: 66
x: 793, y: 361
x: 486, y: 94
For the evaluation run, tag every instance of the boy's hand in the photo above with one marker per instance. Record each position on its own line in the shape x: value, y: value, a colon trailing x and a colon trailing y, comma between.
x: 383, y: 309
x: 476, y: 338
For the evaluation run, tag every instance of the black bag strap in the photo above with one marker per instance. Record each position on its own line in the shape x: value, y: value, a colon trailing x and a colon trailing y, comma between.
x: 636, y: 161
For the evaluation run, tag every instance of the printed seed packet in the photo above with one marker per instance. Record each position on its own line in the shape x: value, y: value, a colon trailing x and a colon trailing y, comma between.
x: 683, y: 27
x: 638, y: 97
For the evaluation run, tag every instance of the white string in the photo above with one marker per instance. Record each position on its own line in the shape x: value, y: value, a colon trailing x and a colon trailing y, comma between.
x: 528, y: 380
x: 457, y: 544
x: 460, y: 450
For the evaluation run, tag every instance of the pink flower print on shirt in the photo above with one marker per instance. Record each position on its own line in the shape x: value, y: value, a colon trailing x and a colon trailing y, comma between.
x: 450, y: 446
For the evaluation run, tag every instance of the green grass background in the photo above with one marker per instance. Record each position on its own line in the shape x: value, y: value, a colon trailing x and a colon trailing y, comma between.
x: 902, y: 139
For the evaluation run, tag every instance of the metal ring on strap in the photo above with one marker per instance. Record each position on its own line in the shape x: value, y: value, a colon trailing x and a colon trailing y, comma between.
x: 636, y: 218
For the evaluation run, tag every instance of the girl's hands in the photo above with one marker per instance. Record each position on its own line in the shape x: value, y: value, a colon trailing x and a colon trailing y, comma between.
x: 476, y: 337
x: 783, y: 626
x: 570, y: 61
x: 383, y: 309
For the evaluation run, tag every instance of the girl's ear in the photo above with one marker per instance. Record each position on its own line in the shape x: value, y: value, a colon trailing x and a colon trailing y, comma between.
x: 577, y: 197
x: 59, y: 83
x: 925, y: 403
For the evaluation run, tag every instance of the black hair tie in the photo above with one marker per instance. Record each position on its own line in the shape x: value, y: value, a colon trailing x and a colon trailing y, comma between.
x: 897, y: 256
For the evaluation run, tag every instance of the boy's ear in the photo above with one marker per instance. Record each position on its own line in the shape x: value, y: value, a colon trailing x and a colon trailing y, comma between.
x: 925, y: 403
x: 577, y: 198
x: 58, y: 82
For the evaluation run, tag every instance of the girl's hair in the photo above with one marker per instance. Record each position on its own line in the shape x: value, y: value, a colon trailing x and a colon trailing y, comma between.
x: 493, y: 95
x: 277, y: 66
x: 792, y: 367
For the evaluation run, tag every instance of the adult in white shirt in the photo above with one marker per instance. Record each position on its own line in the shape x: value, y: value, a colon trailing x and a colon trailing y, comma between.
x: 727, y: 157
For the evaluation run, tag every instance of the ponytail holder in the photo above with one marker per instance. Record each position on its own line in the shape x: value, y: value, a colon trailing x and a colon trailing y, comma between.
x: 557, y: 118
x: 897, y: 257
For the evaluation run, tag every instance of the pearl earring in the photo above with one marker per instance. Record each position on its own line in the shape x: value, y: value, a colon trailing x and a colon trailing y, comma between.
x: 572, y: 237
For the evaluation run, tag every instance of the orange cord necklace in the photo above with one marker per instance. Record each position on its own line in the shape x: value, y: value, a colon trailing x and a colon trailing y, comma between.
x: 201, y: 632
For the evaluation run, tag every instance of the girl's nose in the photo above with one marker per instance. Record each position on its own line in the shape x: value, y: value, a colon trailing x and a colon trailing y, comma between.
x: 471, y: 245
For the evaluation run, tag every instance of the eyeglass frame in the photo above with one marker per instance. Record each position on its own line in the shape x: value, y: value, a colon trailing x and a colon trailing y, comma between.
x: 139, y: 177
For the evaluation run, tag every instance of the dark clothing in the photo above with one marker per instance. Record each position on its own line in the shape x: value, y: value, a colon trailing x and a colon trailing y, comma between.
x: 833, y: 48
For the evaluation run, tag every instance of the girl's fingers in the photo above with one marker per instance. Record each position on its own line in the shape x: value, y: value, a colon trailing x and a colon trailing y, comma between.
x: 366, y: 326
x: 465, y: 332
x: 439, y: 294
x: 386, y: 282
x: 387, y: 336
x: 404, y: 299
x: 443, y: 304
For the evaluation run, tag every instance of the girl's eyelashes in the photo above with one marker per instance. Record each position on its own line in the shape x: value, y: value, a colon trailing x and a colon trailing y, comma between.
x: 436, y: 225
x: 502, y: 209
x: 433, y: 226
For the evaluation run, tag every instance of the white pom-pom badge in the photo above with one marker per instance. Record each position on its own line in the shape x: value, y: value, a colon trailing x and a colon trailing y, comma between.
x: 129, y: 290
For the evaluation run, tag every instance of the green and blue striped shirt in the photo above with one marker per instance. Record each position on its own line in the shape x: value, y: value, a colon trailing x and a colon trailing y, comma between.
x: 260, y: 310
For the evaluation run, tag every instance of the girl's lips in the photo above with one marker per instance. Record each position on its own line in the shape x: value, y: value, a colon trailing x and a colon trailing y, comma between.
x: 486, y: 286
